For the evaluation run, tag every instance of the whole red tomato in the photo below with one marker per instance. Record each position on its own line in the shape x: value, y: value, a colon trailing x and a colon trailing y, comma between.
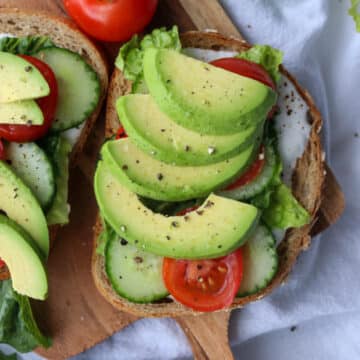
x: 111, y: 20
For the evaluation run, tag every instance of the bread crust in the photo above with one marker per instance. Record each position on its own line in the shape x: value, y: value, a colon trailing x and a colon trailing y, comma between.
x: 63, y: 33
x: 307, y: 182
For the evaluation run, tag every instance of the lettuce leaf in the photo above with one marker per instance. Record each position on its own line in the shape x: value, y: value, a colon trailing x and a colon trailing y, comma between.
x: 355, y: 13
x: 25, y: 45
x: 266, y: 56
x: 284, y: 210
x: 59, y: 211
x: 130, y: 58
x: 280, y: 208
x: 17, y: 324
x: 105, y: 236
x: 7, y: 357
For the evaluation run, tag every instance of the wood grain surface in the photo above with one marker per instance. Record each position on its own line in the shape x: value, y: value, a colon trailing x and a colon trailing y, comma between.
x: 75, y: 315
x: 208, y: 335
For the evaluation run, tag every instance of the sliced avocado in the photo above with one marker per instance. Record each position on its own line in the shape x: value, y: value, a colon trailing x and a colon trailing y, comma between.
x: 219, y: 226
x: 19, y: 204
x: 155, y: 133
x: 20, y: 80
x: 23, y: 260
x: 154, y: 179
x: 26, y: 112
x: 202, y: 97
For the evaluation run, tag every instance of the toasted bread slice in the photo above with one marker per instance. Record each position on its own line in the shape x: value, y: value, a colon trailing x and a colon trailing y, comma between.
x: 64, y: 34
x: 307, y: 182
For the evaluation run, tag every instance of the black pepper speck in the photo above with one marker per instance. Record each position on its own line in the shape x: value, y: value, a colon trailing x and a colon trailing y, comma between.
x: 123, y: 242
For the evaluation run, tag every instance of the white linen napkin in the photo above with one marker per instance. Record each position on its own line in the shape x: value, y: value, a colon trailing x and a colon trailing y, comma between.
x: 316, y: 315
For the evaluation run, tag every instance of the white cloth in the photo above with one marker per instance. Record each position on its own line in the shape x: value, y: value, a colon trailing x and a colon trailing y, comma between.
x: 322, y: 297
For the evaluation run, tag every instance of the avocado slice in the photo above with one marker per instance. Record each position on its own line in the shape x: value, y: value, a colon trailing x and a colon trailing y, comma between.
x: 218, y: 227
x: 20, y: 80
x: 19, y: 204
x: 23, y: 260
x: 26, y: 112
x: 202, y: 97
x: 154, y: 132
x: 154, y: 179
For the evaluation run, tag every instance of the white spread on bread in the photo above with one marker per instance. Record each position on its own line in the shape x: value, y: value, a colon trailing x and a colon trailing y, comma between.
x: 72, y: 135
x: 291, y: 123
x: 208, y: 55
x: 292, y: 126
x: 5, y: 35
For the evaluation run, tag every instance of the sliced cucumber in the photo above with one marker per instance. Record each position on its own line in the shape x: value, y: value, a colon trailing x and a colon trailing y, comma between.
x: 260, y: 261
x: 34, y: 168
x: 256, y: 186
x: 134, y: 274
x: 79, y: 87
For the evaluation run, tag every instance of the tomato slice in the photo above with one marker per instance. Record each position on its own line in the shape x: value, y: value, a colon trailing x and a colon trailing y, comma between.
x: 185, y: 211
x: 25, y: 133
x: 204, y: 285
x: 2, y: 151
x: 121, y: 134
x: 257, y: 72
x: 2, y: 264
x: 249, y: 69
x: 251, y: 173
x: 245, y: 68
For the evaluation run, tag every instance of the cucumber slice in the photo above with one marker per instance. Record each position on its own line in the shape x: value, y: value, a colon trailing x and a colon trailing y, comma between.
x: 134, y: 274
x: 256, y: 186
x: 260, y: 261
x: 79, y: 87
x: 34, y: 168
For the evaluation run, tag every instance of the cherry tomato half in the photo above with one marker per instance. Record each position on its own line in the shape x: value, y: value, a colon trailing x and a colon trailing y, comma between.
x: 2, y: 151
x: 245, y: 68
x: 204, y: 285
x: 25, y: 133
x: 249, y: 69
x: 251, y: 173
x: 111, y: 20
x: 121, y: 134
x: 186, y: 211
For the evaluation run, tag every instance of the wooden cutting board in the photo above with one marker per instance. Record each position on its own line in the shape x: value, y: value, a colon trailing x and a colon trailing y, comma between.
x: 75, y: 315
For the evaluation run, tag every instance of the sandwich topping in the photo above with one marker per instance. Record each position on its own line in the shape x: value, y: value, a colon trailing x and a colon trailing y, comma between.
x: 195, y: 183
x: 45, y: 90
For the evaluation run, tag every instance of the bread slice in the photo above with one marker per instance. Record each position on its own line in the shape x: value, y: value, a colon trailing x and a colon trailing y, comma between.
x: 307, y: 184
x: 64, y: 34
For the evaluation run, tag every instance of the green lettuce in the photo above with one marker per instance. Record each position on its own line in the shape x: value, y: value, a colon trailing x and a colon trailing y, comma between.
x: 59, y: 211
x: 25, y: 45
x: 280, y: 209
x: 266, y: 56
x: 355, y: 13
x: 7, y: 357
x: 130, y: 58
x: 17, y: 324
x: 284, y: 210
